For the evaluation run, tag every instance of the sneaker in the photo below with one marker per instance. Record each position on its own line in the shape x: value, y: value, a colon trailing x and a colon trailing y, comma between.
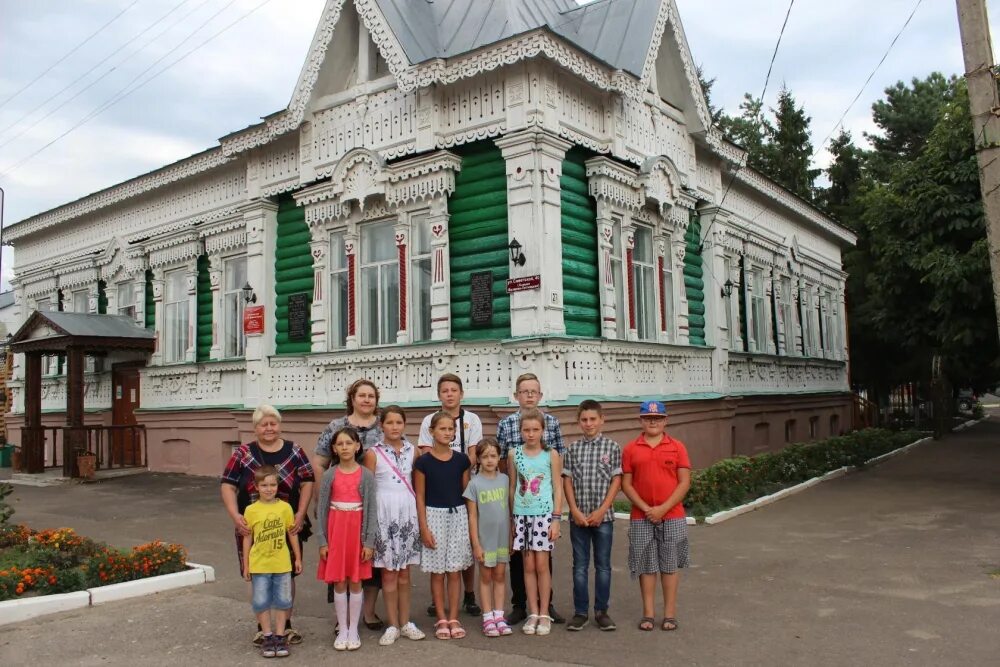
x: 577, y: 623
x: 281, y: 647
x: 432, y: 610
x: 604, y: 621
x: 389, y: 637
x: 471, y: 608
x: 258, y: 639
x: 555, y: 615
x: 517, y: 614
x: 268, y: 647
x: 292, y: 636
x: 411, y: 631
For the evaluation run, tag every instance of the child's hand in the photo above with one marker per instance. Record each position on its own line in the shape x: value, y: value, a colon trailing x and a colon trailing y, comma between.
x: 478, y: 553
x: 579, y: 518
x: 554, y: 530
x: 367, y: 553
x: 595, y: 518
x: 298, y: 566
x: 324, y: 552
x: 427, y: 537
x: 655, y: 514
x: 246, y: 571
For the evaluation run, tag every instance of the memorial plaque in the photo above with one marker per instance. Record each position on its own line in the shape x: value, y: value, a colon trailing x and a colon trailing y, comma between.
x: 299, y: 322
x: 481, y: 312
x: 253, y: 320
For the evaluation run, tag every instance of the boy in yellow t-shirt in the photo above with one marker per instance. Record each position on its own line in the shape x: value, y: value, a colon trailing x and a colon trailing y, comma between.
x: 266, y: 562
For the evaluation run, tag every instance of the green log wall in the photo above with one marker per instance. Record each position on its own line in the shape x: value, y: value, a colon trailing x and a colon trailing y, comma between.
x: 581, y: 279
x: 203, y: 323
x: 293, y: 271
x: 150, y: 309
x: 694, y: 283
x: 477, y: 237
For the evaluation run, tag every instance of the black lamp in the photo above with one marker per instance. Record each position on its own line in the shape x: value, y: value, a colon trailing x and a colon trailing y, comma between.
x: 249, y: 296
x: 516, y: 256
x: 727, y: 289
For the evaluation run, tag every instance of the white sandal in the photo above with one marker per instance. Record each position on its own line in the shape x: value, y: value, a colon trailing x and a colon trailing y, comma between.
x: 530, y: 624
x: 544, y: 625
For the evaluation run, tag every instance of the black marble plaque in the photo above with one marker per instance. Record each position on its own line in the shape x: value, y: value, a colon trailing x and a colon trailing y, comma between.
x: 481, y: 312
x: 299, y: 322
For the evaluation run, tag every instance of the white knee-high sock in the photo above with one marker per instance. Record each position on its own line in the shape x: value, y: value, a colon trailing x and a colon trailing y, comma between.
x: 357, y: 599
x: 340, y: 603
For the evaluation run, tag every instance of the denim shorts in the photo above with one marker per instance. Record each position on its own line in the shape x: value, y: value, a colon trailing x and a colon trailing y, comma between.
x: 271, y: 591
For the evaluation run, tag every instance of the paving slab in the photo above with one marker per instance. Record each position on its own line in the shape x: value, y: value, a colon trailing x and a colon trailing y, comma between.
x: 892, y: 565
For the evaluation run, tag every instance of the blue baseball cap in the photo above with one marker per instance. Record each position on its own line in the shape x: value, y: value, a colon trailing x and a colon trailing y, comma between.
x: 652, y: 409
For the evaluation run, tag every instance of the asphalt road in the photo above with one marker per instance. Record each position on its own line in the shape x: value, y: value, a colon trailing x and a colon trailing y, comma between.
x: 895, y: 565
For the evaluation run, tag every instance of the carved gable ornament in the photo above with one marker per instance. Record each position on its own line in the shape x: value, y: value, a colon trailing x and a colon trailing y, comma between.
x: 662, y: 182
x: 359, y: 175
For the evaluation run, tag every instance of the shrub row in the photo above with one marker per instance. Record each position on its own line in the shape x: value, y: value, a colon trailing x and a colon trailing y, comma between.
x: 60, y: 560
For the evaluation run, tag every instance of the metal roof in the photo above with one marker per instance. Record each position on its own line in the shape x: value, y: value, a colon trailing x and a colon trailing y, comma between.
x: 93, y: 325
x: 6, y: 299
x: 617, y: 32
x: 92, y: 332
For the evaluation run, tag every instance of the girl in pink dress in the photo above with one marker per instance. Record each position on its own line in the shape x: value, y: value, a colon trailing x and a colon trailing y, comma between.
x: 348, y: 527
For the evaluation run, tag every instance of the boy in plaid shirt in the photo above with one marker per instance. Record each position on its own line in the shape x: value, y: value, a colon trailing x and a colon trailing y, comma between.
x: 592, y: 476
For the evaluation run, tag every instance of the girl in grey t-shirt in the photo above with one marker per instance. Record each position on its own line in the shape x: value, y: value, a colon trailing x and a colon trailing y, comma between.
x: 486, y: 498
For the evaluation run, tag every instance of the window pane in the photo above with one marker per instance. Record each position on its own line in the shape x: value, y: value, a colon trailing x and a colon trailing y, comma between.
x: 645, y: 308
x: 420, y: 234
x: 390, y: 303
x: 420, y: 301
x: 643, y: 250
x: 236, y: 274
x: 378, y: 242
x: 369, y: 306
x: 81, y: 302
x: 616, y: 277
x: 338, y: 256
x: 668, y: 298
x: 338, y: 309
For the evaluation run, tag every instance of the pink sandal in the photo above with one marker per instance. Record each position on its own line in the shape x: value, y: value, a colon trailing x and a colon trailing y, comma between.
x: 502, y: 626
x: 490, y: 628
x: 441, y: 630
x: 457, y: 631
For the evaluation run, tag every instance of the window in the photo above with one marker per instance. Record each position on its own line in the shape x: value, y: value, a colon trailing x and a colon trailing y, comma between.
x: 126, y: 300
x: 813, y: 428
x: 176, y: 311
x: 235, y: 276
x: 787, y: 321
x: 81, y: 302
x: 618, y: 281
x: 757, y: 322
x: 831, y: 331
x: 643, y: 271
x: 420, y: 278
x: 834, y: 425
x: 808, y: 326
x: 379, y: 284
x: 790, y: 430
x: 667, y: 287
x: 727, y: 301
x: 338, y: 291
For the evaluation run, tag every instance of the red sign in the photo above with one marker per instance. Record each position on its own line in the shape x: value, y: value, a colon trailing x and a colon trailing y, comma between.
x: 253, y: 320
x: 523, y: 284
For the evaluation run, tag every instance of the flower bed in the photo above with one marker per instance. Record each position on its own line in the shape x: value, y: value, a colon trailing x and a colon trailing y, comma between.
x: 61, y: 561
x: 732, y: 482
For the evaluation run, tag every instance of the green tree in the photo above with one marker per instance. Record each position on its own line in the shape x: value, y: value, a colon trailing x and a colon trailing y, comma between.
x: 706, y: 89
x: 749, y: 130
x: 845, y: 175
x: 788, y: 151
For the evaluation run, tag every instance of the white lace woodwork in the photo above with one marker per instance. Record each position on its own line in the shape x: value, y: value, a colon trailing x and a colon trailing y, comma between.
x: 156, y: 359
x: 764, y: 374
x: 401, y: 233
x: 218, y: 384
x: 319, y: 247
x: 472, y: 110
x: 276, y: 167
x: 96, y: 393
x: 215, y: 277
x: 534, y: 167
x: 605, y: 232
x: 440, y: 272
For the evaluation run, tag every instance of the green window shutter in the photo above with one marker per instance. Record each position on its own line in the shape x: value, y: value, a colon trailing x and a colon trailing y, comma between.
x: 102, y: 297
x: 477, y: 238
x: 150, y: 308
x: 293, y: 271
x: 581, y: 277
x: 694, y: 282
x: 203, y: 299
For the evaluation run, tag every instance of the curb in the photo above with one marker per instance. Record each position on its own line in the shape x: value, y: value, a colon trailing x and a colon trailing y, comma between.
x: 14, y: 611
x: 763, y: 501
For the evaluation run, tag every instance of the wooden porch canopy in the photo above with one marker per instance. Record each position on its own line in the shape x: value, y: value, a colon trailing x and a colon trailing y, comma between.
x: 75, y: 335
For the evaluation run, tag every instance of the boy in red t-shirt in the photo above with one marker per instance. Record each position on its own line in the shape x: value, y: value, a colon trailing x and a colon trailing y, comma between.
x: 657, y: 475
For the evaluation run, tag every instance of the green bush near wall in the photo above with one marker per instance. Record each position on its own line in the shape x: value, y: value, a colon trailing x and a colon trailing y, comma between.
x: 477, y: 236
x: 581, y: 277
x: 293, y: 271
x: 694, y: 282
x: 203, y: 299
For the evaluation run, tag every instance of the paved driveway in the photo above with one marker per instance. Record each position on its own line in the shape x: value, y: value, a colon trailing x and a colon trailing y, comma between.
x: 899, y: 564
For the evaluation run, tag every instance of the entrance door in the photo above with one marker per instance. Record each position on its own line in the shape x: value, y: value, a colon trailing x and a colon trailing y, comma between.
x: 125, y: 445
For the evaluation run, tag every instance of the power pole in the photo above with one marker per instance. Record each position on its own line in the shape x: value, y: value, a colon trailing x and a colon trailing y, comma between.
x: 984, y: 104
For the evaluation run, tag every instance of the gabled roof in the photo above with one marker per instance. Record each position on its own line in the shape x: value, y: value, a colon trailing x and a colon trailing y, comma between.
x: 54, y: 331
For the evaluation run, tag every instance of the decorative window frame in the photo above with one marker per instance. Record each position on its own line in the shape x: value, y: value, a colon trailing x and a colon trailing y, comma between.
x: 223, y: 241
x: 168, y: 253
x: 363, y: 189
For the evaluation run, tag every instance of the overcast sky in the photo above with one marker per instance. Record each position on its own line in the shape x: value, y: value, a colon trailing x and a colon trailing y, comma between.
x: 249, y: 70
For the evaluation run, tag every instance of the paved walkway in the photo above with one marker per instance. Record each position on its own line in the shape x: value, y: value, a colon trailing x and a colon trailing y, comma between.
x: 890, y: 566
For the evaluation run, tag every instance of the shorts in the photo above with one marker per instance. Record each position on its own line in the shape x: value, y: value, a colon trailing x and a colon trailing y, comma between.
x: 531, y: 533
x: 657, y: 548
x: 271, y: 591
x: 450, y: 528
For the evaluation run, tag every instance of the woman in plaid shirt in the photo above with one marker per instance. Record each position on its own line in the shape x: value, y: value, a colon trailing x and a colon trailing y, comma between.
x: 295, y: 484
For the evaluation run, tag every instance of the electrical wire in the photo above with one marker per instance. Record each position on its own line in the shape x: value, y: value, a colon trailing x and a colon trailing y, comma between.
x: 67, y: 55
x: 125, y: 92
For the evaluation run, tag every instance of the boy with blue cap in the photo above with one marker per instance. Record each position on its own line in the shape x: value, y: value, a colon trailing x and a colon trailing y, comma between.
x: 657, y: 475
